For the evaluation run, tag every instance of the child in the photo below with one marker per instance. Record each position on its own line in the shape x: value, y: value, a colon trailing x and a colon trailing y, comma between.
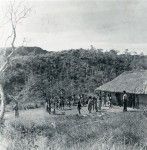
x: 79, y: 107
x: 16, y: 109
x: 90, y: 104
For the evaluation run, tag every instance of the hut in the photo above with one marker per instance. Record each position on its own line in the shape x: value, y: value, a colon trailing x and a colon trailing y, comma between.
x: 133, y: 82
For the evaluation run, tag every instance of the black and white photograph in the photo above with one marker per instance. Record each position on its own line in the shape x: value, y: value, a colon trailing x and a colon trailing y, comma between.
x: 73, y: 74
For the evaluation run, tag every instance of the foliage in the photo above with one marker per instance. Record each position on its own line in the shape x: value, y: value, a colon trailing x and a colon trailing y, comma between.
x: 37, y: 75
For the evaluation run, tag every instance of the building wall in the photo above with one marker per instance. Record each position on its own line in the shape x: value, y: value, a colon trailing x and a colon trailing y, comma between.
x: 114, y: 100
x: 140, y: 100
x: 143, y: 100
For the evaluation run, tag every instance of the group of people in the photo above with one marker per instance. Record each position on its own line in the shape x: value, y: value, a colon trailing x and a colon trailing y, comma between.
x: 93, y: 103
x: 57, y: 103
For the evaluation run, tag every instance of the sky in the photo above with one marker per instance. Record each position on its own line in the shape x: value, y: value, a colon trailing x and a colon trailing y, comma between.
x: 66, y: 24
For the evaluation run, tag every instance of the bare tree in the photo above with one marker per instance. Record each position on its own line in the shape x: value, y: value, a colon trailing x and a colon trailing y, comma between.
x: 16, y: 13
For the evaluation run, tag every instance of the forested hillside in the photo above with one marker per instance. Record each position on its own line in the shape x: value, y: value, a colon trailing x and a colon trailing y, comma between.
x: 35, y: 74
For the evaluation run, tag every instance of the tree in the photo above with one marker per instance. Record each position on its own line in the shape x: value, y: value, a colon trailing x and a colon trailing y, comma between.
x: 16, y: 12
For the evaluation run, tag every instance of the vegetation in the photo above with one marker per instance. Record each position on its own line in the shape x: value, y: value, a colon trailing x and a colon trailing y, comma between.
x: 99, y: 131
x: 36, y: 75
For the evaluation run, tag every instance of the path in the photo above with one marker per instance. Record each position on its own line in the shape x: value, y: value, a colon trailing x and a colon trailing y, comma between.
x: 84, y: 110
x: 71, y: 111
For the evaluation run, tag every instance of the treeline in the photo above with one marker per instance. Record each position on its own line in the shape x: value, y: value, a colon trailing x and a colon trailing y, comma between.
x: 38, y: 76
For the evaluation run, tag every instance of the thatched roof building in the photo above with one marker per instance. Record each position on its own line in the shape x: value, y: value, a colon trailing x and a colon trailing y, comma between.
x: 134, y: 82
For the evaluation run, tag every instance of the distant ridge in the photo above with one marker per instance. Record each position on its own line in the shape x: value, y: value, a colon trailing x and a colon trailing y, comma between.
x: 22, y: 51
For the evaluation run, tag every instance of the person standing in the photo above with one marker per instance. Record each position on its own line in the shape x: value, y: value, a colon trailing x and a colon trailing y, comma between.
x: 16, y: 109
x: 57, y: 103
x: 125, y: 99
x: 105, y: 99
x: 74, y: 99
x: 100, y: 100
x: 79, y: 107
x: 54, y: 105
x: 62, y: 102
x: 49, y: 105
x: 90, y: 104
x: 95, y: 103
x: 69, y: 101
x: 46, y: 106
x: 110, y: 100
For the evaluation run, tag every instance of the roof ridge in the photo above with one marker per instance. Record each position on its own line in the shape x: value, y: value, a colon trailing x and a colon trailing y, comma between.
x: 135, y: 70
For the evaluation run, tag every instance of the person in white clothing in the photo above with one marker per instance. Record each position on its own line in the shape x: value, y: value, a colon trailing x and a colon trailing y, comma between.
x: 125, y: 99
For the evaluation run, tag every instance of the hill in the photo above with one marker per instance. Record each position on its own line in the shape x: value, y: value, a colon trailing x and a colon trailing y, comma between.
x: 36, y: 75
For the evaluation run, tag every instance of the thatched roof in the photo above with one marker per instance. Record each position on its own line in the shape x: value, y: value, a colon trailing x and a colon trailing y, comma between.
x: 130, y: 81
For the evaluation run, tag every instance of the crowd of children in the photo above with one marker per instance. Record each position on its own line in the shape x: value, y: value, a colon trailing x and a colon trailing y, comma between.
x: 93, y: 103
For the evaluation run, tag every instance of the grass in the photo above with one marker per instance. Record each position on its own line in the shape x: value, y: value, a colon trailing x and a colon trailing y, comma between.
x: 100, y: 131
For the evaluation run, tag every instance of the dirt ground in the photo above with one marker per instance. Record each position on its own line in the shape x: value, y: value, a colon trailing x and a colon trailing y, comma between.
x: 72, y: 111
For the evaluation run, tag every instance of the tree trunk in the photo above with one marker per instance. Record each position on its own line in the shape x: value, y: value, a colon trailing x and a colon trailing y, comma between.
x: 2, y: 112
